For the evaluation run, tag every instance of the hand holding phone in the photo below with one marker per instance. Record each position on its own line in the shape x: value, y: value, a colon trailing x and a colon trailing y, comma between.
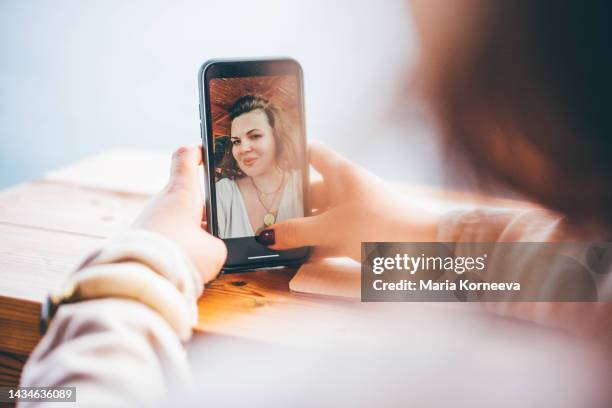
x: 350, y: 206
x: 176, y: 213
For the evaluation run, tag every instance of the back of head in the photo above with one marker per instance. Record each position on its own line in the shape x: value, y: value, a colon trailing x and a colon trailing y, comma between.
x: 525, y: 99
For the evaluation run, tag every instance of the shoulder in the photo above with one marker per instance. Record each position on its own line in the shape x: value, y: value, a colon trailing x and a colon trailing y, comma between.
x: 225, y: 185
x: 225, y: 189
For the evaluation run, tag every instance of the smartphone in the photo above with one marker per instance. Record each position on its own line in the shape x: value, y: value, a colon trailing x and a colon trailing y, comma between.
x: 255, y: 158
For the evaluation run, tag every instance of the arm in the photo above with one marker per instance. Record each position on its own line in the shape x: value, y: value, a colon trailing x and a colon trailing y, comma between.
x: 588, y: 319
x: 354, y: 206
x: 115, y: 351
x: 527, y: 225
x: 122, y: 345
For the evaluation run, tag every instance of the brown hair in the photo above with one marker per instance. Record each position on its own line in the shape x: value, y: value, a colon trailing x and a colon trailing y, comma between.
x: 527, y: 103
x: 286, y: 156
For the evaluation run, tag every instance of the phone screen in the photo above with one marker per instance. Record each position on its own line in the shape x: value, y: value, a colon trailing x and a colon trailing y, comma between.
x: 255, y: 126
x: 258, y: 153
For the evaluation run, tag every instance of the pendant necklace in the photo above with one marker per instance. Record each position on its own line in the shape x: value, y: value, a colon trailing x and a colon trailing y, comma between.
x: 270, y: 217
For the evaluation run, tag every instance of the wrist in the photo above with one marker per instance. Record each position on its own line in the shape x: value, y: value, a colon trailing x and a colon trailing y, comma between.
x: 141, y: 266
x: 159, y: 253
x: 126, y: 280
x: 407, y: 223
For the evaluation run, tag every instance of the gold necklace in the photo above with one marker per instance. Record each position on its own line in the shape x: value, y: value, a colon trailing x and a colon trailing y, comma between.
x: 270, y: 216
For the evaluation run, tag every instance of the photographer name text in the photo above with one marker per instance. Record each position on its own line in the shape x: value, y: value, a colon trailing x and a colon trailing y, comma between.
x: 431, y: 285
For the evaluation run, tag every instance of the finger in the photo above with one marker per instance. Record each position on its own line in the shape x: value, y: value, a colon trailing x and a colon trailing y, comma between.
x: 296, y: 232
x: 319, y: 196
x: 210, y: 257
x: 185, y: 162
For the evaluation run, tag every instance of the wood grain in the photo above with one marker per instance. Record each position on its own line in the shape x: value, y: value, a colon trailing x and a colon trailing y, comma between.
x: 34, y: 261
x: 65, y: 208
x: 10, y: 368
x: 259, y: 306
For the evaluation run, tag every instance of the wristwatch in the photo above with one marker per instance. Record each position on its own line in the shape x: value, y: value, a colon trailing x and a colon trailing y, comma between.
x: 131, y: 281
x: 140, y: 266
x: 69, y: 294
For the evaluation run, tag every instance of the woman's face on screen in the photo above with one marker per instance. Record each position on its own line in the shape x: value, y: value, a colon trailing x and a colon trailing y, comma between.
x: 253, y: 144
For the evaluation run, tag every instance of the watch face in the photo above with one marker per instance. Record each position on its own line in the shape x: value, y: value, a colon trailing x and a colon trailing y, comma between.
x: 52, y: 302
x: 47, y: 310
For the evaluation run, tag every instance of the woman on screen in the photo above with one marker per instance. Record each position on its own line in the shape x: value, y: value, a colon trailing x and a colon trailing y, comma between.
x: 264, y: 182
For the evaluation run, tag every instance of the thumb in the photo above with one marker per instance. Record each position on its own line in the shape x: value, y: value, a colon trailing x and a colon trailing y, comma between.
x: 295, y: 233
x: 184, y: 168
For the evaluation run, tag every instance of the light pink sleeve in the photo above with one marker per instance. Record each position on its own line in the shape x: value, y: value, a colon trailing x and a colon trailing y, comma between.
x: 590, y: 319
x: 528, y: 225
x: 118, y: 351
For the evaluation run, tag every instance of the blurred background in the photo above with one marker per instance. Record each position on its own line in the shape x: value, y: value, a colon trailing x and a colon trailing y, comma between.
x: 79, y: 78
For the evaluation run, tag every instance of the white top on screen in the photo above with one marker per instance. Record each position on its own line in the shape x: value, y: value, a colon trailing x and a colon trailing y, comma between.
x: 232, y: 217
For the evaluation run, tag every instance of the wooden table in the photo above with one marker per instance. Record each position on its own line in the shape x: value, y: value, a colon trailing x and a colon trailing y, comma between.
x: 47, y: 226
